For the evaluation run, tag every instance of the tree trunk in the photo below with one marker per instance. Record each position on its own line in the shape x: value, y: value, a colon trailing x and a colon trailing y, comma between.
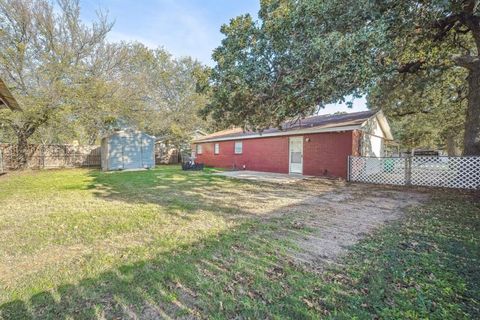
x: 23, y: 133
x: 453, y: 149
x: 471, y: 140
x: 92, y: 138
x: 22, y: 150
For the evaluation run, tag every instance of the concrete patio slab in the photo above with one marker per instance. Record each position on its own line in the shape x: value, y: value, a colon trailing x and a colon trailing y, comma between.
x: 263, y: 176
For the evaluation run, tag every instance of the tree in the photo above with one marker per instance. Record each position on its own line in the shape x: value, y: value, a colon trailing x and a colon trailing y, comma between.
x: 106, y: 93
x: 44, y: 56
x: 305, y: 54
x: 72, y: 84
x: 97, y: 102
x: 426, y: 108
x: 169, y: 101
x: 298, y: 58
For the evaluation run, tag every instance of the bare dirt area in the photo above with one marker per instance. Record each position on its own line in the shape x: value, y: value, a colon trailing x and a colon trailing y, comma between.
x: 339, y: 219
x: 338, y: 214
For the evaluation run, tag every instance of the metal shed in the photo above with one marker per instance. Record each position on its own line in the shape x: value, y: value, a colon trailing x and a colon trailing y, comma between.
x: 128, y: 149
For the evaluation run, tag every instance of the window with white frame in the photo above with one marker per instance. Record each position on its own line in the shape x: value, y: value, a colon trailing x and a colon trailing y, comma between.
x: 238, y: 147
x: 199, y: 149
x: 216, y: 148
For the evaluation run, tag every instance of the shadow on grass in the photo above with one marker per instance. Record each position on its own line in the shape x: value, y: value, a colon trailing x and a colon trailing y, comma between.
x: 239, y: 272
x: 188, y: 191
x: 426, y: 266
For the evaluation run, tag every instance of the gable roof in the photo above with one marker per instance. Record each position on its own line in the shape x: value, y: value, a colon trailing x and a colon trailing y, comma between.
x: 6, y: 98
x: 126, y: 132
x: 318, y: 123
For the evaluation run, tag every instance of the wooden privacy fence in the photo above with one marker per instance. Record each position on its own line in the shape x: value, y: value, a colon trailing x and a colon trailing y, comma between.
x: 430, y: 171
x: 2, y: 170
x: 52, y: 156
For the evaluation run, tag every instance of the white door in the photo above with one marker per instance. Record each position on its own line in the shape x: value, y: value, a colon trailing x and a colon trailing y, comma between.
x: 296, y: 155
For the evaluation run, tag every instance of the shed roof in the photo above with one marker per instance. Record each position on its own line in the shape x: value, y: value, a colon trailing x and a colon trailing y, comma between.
x: 328, y: 122
x: 127, y: 131
x: 6, y: 98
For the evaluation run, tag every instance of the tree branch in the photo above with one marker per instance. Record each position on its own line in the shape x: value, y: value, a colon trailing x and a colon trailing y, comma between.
x: 468, y: 62
x: 408, y: 113
x: 411, y: 67
x: 444, y: 26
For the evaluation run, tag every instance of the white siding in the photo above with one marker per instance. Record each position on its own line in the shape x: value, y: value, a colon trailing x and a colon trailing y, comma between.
x: 373, y: 139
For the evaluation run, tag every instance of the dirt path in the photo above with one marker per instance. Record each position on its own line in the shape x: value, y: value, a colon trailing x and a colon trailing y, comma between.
x: 341, y: 214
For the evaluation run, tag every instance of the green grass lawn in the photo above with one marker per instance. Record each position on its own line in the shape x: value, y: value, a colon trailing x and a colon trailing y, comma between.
x: 165, y: 243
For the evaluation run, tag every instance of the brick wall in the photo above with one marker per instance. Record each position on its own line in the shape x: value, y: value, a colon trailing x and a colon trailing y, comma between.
x: 326, y: 154
x: 323, y: 154
x: 262, y: 154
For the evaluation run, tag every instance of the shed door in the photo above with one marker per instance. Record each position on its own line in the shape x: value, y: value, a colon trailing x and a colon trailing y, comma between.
x: 296, y: 154
x: 115, y: 153
x: 132, y: 152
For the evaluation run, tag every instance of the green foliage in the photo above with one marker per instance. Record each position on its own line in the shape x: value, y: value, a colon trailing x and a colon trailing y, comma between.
x: 304, y: 54
x: 45, y: 55
x: 426, y: 108
x: 170, y: 100
x: 287, y: 65
x: 74, y: 85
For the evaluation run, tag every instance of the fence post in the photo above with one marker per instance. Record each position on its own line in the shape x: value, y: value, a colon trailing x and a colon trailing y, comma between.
x: 1, y: 161
x: 42, y: 157
x: 408, y: 170
x: 73, y: 158
x: 349, y: 161
x: 65, y: 164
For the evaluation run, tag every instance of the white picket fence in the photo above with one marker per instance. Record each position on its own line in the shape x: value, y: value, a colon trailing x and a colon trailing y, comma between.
x: 431, y: 171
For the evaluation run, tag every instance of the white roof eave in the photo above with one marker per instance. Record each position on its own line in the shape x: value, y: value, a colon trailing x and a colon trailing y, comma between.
x: 382, y: 120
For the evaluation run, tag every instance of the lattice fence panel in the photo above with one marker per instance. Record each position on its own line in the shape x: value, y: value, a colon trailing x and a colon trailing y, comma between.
x: 447, y: 172
x: 378, y: 170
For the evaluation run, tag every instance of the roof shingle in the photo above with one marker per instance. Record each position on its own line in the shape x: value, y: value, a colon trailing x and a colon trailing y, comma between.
x: 320, y: 121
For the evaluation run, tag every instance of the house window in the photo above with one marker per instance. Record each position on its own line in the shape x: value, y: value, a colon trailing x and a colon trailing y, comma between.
x: 199, y: 149
x: 238, y: 147
x: 216, y: 148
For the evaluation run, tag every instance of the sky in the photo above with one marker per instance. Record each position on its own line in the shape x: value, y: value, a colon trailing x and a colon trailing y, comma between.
x: 182, y: 27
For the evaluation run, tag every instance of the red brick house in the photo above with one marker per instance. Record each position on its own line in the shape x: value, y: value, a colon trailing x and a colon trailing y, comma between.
x: 317, y: 145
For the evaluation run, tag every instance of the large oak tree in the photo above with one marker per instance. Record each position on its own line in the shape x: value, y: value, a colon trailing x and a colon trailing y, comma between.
x: 303, y: 54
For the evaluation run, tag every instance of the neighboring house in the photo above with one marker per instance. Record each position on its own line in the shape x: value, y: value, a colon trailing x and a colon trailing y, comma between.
x: 317, y: 145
